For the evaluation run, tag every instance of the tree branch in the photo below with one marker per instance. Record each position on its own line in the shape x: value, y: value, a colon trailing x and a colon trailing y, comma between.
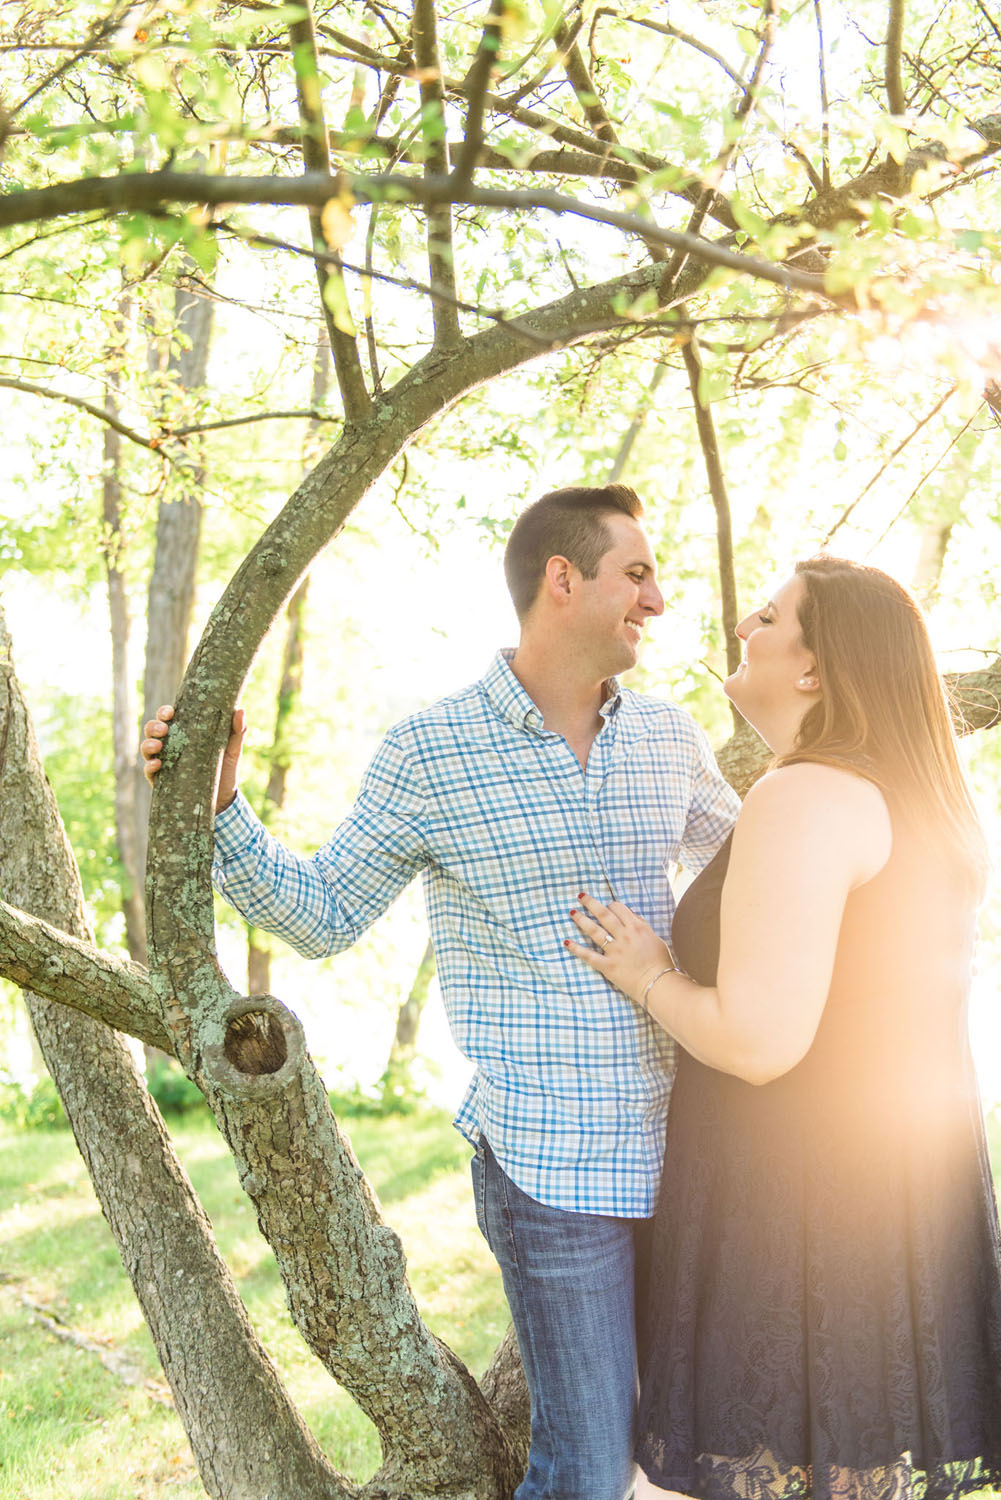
x: 686, y: 186
x: 583, y: 86
x: 493, y: 315
x: 58, y: 967
x: 989, y: 19
x: 476, y: 85
x: 154, y: 445
x: 681, y: 36
x: 247, y: 1438
x: 729, y: 149
x: 975, y: 698
x: 825, y: 121
x: 721, y: 505
x: 440, y: 246
x: 891, y: 62
x: 260, y: 416
x: 925, y: 476
x: 152, y: 191
x: 885, y: 465
x: 625, y: 166
x: 316, y: 160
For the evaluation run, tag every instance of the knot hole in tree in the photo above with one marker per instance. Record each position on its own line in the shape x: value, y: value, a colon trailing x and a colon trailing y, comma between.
x: 255, y: 1043
x: 255, y: 1047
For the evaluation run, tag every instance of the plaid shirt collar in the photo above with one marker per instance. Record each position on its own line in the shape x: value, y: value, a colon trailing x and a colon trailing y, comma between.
x: 510, y: 701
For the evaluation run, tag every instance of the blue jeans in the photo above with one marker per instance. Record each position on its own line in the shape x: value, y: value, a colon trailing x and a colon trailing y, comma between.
x: 569, y: 1280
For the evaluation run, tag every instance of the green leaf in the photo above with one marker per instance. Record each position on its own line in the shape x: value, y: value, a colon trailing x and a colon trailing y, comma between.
x: 336, y: 297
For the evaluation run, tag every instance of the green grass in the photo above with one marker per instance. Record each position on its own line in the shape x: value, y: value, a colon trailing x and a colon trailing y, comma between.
x: 70, y: 1428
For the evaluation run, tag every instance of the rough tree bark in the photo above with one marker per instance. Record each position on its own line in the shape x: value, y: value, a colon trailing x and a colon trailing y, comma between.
x: 223, y: 1382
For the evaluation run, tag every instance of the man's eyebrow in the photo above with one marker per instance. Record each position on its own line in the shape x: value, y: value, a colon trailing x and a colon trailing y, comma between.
x: 639, y: 563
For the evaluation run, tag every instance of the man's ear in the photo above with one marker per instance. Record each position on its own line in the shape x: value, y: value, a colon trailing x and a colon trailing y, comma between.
x: 559, y: 578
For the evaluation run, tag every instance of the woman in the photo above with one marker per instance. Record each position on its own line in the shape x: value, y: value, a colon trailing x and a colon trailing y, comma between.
x: 825, y: 1313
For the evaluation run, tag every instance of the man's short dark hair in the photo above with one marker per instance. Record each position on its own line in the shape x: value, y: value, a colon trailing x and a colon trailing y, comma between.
x: 566, y: 523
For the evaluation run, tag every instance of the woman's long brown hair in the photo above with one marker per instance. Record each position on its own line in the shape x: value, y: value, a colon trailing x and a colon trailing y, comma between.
x: 884, y: 705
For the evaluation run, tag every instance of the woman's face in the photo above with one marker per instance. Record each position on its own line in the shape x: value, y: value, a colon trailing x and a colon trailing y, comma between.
x: 777, y: 680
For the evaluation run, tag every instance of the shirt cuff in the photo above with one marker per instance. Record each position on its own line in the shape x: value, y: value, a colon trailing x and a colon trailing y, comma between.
x: 234, y: 827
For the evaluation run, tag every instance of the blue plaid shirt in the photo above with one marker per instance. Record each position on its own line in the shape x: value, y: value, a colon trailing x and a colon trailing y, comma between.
x: 572, y: 1081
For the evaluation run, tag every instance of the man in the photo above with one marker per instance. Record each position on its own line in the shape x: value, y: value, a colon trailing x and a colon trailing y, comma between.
x: 542, y: 780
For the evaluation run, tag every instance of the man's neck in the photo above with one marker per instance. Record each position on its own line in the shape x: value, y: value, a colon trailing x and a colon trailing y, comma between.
x: 566, y: 692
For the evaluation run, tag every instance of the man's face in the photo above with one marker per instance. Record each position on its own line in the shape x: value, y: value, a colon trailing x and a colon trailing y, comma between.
x: 610, y: 610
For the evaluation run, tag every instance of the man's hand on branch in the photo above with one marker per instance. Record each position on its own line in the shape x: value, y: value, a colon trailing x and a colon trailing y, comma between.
x: 155, y: 732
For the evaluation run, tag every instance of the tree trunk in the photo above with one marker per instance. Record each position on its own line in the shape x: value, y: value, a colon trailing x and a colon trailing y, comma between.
x: 123, y: 719
x: 397, y: 1080
x: 289, y: 689
x: 178, y: 532
x: 248, y: 1440
x: 931, y: 559
x: 172, y: 580
x: 721, y: 505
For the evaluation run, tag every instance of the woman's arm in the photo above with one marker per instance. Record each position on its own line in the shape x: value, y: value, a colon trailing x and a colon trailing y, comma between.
x: 807, y: 835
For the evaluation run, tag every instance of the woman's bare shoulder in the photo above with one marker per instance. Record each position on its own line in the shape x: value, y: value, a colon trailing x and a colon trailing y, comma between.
x: 813, y: 798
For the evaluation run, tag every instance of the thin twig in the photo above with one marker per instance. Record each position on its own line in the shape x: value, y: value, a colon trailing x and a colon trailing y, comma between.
x: 989, y: 19
x: 884, y: 466
x: 572, y: 30
x: 725, y: 156
x: 681, y: 36
x: 370, y: 339
x: 927, y: 475
x: 154, y: 445
x: 308, y: 414
x: 407, y: 284
x: 99, y: 31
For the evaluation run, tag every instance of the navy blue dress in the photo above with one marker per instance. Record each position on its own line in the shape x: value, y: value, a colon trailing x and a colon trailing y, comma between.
x: 825, y: 1304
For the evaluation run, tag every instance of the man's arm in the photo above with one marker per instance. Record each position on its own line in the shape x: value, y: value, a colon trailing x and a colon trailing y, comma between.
x: 318, y: 905
x: 322, y: 905
x: 712, y: 808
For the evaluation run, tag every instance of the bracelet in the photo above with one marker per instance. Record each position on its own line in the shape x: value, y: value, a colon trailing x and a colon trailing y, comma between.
x: 671, y: 969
